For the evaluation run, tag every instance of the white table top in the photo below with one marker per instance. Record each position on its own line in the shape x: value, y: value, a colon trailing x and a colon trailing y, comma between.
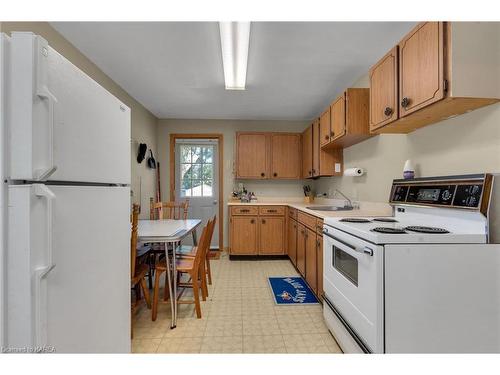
x: 165, y: 230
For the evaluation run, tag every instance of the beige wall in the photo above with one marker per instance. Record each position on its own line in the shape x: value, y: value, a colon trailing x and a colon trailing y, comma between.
x: 465, y: 144
x: 143, y: 122
x: 228, y: 129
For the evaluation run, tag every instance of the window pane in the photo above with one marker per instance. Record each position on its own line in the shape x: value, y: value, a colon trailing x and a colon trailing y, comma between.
x: 196, y: 192
x: 207, y: 188
x: 196, y: 171
x: 207, y: 171
x: 208, y: 154
x: 186, y: 171
x: 186, y: 188
x: 185, y: 154
x: 195, y: 154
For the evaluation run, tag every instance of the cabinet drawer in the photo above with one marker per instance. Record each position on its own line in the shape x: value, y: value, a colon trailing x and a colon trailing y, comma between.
x: 244, y: 210
x: 272, y: 210
x: 292, y: 213
x: 308, y: 220
x: 319, y: 226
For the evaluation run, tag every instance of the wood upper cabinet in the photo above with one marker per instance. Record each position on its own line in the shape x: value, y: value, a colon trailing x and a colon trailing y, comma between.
x: 319, y: 264
x: 421, y: 67
x: 307, y: 145
x: 252, y: 155
x: 311, y: 259
x: 316, y: 149
x: 301, y: 248
x: 286, y: 155
x: 384, y: 103
x: 349, y: 118
x: 244, y: 234
x: 337, y: 115
x: 324, y: 127
x: 292, y: 241
x: 272, y: 235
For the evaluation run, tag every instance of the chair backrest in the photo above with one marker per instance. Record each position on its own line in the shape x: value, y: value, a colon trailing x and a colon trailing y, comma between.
x: 134, y: 218
x: 203, y: 244
x: 168, y: 210
x: 210, y: 234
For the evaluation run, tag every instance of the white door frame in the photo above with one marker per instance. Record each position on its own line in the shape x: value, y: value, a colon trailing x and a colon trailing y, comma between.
x: 220, y: 139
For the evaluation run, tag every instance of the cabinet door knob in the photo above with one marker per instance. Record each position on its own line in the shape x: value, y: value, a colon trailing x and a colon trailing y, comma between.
x: 263, y: 221
x: 252, y: 221
x: 275, y: 174
x: 314, y: 171
x: 405, y: 102
x: 388, y: 111
x: 332, y: 134
x: 327, y: 137
x: 262, y: 174
x: 310, y: 173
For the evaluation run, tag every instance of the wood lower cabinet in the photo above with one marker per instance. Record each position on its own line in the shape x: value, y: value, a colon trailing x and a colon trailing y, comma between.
x: 271, y: 235
x: 311, y: 259
x: 286, y: 156
x: 292, y: 241
x: 257, y: 230
x: 244, y: 235
x: 319, y: 264
x: 301, y: 249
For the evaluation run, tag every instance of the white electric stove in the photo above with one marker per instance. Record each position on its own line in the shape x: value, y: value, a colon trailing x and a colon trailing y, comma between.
x: 424, y: 280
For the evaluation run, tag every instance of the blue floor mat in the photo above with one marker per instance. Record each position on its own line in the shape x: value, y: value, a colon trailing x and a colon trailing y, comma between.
x: 291, y: 290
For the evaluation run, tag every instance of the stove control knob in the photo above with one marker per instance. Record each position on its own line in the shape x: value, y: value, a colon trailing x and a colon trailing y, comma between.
x: 446, y: 195
x: 471, y: 201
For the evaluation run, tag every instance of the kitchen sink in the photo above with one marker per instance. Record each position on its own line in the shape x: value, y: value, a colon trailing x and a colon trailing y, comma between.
x: 329, y: 208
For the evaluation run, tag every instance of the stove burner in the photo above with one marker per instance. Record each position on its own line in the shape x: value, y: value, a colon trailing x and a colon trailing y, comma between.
x: 389, y: 230
x: 385, y: 220
x: 354, y: 220
x: 420, y: 229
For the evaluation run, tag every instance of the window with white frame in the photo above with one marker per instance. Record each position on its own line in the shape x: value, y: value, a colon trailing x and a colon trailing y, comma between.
x: 196, y: 170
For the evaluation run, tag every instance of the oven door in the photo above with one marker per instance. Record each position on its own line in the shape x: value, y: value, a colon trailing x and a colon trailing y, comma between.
x: 353, y: 285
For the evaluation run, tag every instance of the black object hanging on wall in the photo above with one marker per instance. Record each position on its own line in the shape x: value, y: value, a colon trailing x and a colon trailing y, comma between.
x: 142, y: 152
x: 151, y: 160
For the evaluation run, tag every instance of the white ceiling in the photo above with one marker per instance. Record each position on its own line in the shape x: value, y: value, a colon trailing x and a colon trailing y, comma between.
x: 175, y: 68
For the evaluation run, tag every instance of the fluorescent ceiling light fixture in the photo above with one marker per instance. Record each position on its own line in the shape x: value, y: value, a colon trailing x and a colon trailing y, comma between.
x: 235, y: 40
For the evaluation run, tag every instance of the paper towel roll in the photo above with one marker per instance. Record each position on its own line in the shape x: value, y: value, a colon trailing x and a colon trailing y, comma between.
x: 354, y: 172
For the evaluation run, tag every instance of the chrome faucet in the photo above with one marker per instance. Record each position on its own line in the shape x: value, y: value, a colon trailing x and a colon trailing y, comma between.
x: 349, y: 202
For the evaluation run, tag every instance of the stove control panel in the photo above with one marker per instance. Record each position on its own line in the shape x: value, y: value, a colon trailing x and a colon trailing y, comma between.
x: 468, y: 191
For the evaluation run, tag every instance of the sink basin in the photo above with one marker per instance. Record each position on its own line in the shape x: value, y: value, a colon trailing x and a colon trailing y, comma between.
x: 329, y: 208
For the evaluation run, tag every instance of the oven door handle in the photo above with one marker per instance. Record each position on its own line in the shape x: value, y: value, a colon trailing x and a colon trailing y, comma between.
x: 364, y: 250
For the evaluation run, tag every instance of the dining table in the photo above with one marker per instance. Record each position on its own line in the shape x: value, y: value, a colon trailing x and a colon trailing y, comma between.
x: 170, y: 232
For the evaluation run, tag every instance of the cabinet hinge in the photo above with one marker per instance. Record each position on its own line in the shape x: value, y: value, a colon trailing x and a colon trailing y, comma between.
x: 445, y: 85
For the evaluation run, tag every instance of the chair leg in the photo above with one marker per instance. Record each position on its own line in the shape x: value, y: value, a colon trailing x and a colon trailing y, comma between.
x: 151, y: 262
x: 166, y: 290
x: 145, y: 290
x: 209, y: 271
x: 156, y: 292
x: 203, y: 278
x: 196, y: 295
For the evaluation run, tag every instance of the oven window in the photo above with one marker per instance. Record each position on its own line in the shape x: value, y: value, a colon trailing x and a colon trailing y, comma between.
x: 346, y: 264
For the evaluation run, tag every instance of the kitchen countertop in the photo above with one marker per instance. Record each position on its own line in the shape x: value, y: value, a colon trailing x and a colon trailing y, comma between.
x: 366, y: 209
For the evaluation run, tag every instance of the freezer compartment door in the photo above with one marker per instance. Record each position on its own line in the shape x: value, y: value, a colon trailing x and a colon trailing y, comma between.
x: 442, y: 298
x: 69, y: 268
x: 63, y: 125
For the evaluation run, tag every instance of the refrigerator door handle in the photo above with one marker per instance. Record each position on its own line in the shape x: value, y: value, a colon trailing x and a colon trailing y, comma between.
x: 43, y: 92
x: 41, y: 175
x: 42, y: 191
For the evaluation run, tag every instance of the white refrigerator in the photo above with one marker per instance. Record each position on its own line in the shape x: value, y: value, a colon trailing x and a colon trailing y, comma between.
x: 65, y: 197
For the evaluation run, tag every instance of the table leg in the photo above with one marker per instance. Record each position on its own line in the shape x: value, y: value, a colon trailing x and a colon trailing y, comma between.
x: 195, y: 239
x: 173, y: 298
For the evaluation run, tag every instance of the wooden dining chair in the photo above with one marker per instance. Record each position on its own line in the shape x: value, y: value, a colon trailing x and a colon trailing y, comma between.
x: 168, y: 210
x: 138, y: 271
x: 186, y: 251
x: 193, y: 267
